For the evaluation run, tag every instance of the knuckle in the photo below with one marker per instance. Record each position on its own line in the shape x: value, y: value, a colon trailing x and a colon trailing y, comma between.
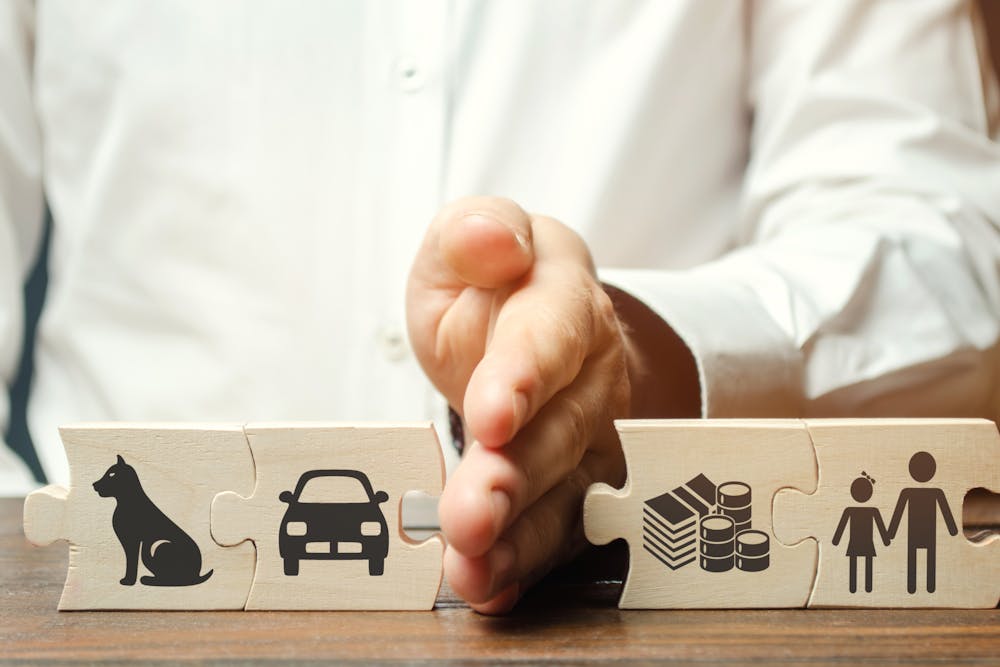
x: 579, y: 481
x: 619, y: 391
x: 580, y: 322
x: 530, y: 363
x: 606, y: 325
x: 538, y: 537
x: 605, y: 308
x: 538, y: 529
x: 567, y: 237
x: 576, y: 426
x: 524, y: 481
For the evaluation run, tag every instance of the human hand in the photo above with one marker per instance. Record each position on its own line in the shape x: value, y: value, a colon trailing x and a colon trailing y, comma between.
x: 509, y: 321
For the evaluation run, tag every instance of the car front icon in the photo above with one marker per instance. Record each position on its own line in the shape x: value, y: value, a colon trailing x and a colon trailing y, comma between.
x: 333, y: 515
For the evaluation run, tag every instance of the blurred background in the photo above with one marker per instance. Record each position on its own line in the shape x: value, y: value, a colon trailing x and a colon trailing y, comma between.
x: 17, y: 433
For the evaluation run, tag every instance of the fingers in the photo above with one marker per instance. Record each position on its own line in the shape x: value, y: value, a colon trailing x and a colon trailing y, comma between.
x: 508, y: 320
x: 486, y: 242
x: 448, y: 334
x: 475, y: 241
x: 541, y: 335
x: 493, y: 486
x: 523, y: 288
x: 547, y: 534
x: 511, y: 514
x: 473, y: 246
x: 501, y: 603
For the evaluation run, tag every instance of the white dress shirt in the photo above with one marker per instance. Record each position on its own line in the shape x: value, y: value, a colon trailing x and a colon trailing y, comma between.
x: 805, y: 190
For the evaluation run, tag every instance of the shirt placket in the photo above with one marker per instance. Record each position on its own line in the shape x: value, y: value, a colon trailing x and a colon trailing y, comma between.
x: 417, y: 92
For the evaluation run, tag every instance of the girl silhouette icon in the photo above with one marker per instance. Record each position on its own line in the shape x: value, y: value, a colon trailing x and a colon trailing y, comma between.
x: 863, y: 522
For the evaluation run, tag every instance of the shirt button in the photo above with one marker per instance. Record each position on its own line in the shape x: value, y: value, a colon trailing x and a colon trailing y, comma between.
x: 392, y: 344
x: 409, y: 74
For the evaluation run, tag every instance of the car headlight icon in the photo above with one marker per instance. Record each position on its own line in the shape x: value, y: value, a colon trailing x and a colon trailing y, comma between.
x: 370, y: 528
x: 296, y: 528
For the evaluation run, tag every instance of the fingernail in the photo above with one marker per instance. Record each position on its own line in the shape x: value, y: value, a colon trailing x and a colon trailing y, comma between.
x: 502, y: 558
x: 501, y: 508
x: 521, y: 239
x: 480, y: 217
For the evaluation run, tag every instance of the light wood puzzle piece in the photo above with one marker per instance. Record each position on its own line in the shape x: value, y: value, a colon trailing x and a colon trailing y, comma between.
x: 901, y: 480
x: 136, y: 515
x: 696, y: 513
x: 325, y: 516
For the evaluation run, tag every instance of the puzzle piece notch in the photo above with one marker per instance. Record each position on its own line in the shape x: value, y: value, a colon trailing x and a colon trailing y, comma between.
x: 395, y: 458
x: 418, y: 515
x: 45, y: 515
x: 966, y: 453
x: 235, y: 524
x: 676, y: 562
x: 599, y: 511
x: 164, y: 492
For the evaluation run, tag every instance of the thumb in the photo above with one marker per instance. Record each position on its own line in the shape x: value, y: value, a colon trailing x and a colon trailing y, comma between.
x: 482, y: 242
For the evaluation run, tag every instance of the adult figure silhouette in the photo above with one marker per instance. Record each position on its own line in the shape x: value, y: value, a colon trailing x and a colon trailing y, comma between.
x: 922, y: 504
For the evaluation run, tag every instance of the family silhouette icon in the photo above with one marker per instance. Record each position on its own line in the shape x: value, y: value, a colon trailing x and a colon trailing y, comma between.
x: 921, y: 504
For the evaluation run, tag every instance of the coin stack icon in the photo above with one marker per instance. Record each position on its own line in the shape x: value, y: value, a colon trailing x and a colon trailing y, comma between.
x: 753, y: 551
x: 734, y: 501
x: 717, y: 543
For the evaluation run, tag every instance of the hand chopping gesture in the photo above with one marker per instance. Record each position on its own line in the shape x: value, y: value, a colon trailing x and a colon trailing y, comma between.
x: 510, y: 323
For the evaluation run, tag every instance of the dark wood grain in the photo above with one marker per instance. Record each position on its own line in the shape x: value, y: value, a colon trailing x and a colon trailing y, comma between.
x: 570, y: 619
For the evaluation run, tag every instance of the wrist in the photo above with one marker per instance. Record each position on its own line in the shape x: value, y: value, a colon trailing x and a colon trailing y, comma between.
x: 662, y: 371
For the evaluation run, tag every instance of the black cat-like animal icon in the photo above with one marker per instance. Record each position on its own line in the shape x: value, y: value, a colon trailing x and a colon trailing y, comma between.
x: 167, y: 552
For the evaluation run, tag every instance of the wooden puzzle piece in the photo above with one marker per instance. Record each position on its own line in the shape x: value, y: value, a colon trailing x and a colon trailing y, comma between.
x: 696, y: 513
x: 136, y: 515
x: 887, y: 513
x: 325, y: 516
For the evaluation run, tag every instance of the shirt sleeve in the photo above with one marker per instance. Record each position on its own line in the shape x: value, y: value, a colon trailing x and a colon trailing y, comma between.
x: 21, y: 211
x: 867, y: 275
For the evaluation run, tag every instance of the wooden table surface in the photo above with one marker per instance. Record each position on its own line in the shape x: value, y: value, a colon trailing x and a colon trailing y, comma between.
x: 569, y: 619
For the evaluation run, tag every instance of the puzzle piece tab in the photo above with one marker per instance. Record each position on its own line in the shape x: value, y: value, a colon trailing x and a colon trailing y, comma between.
x: 887, y: 513
x: 325, y: 516
x: 696, y: 512
x: 136, y: 515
